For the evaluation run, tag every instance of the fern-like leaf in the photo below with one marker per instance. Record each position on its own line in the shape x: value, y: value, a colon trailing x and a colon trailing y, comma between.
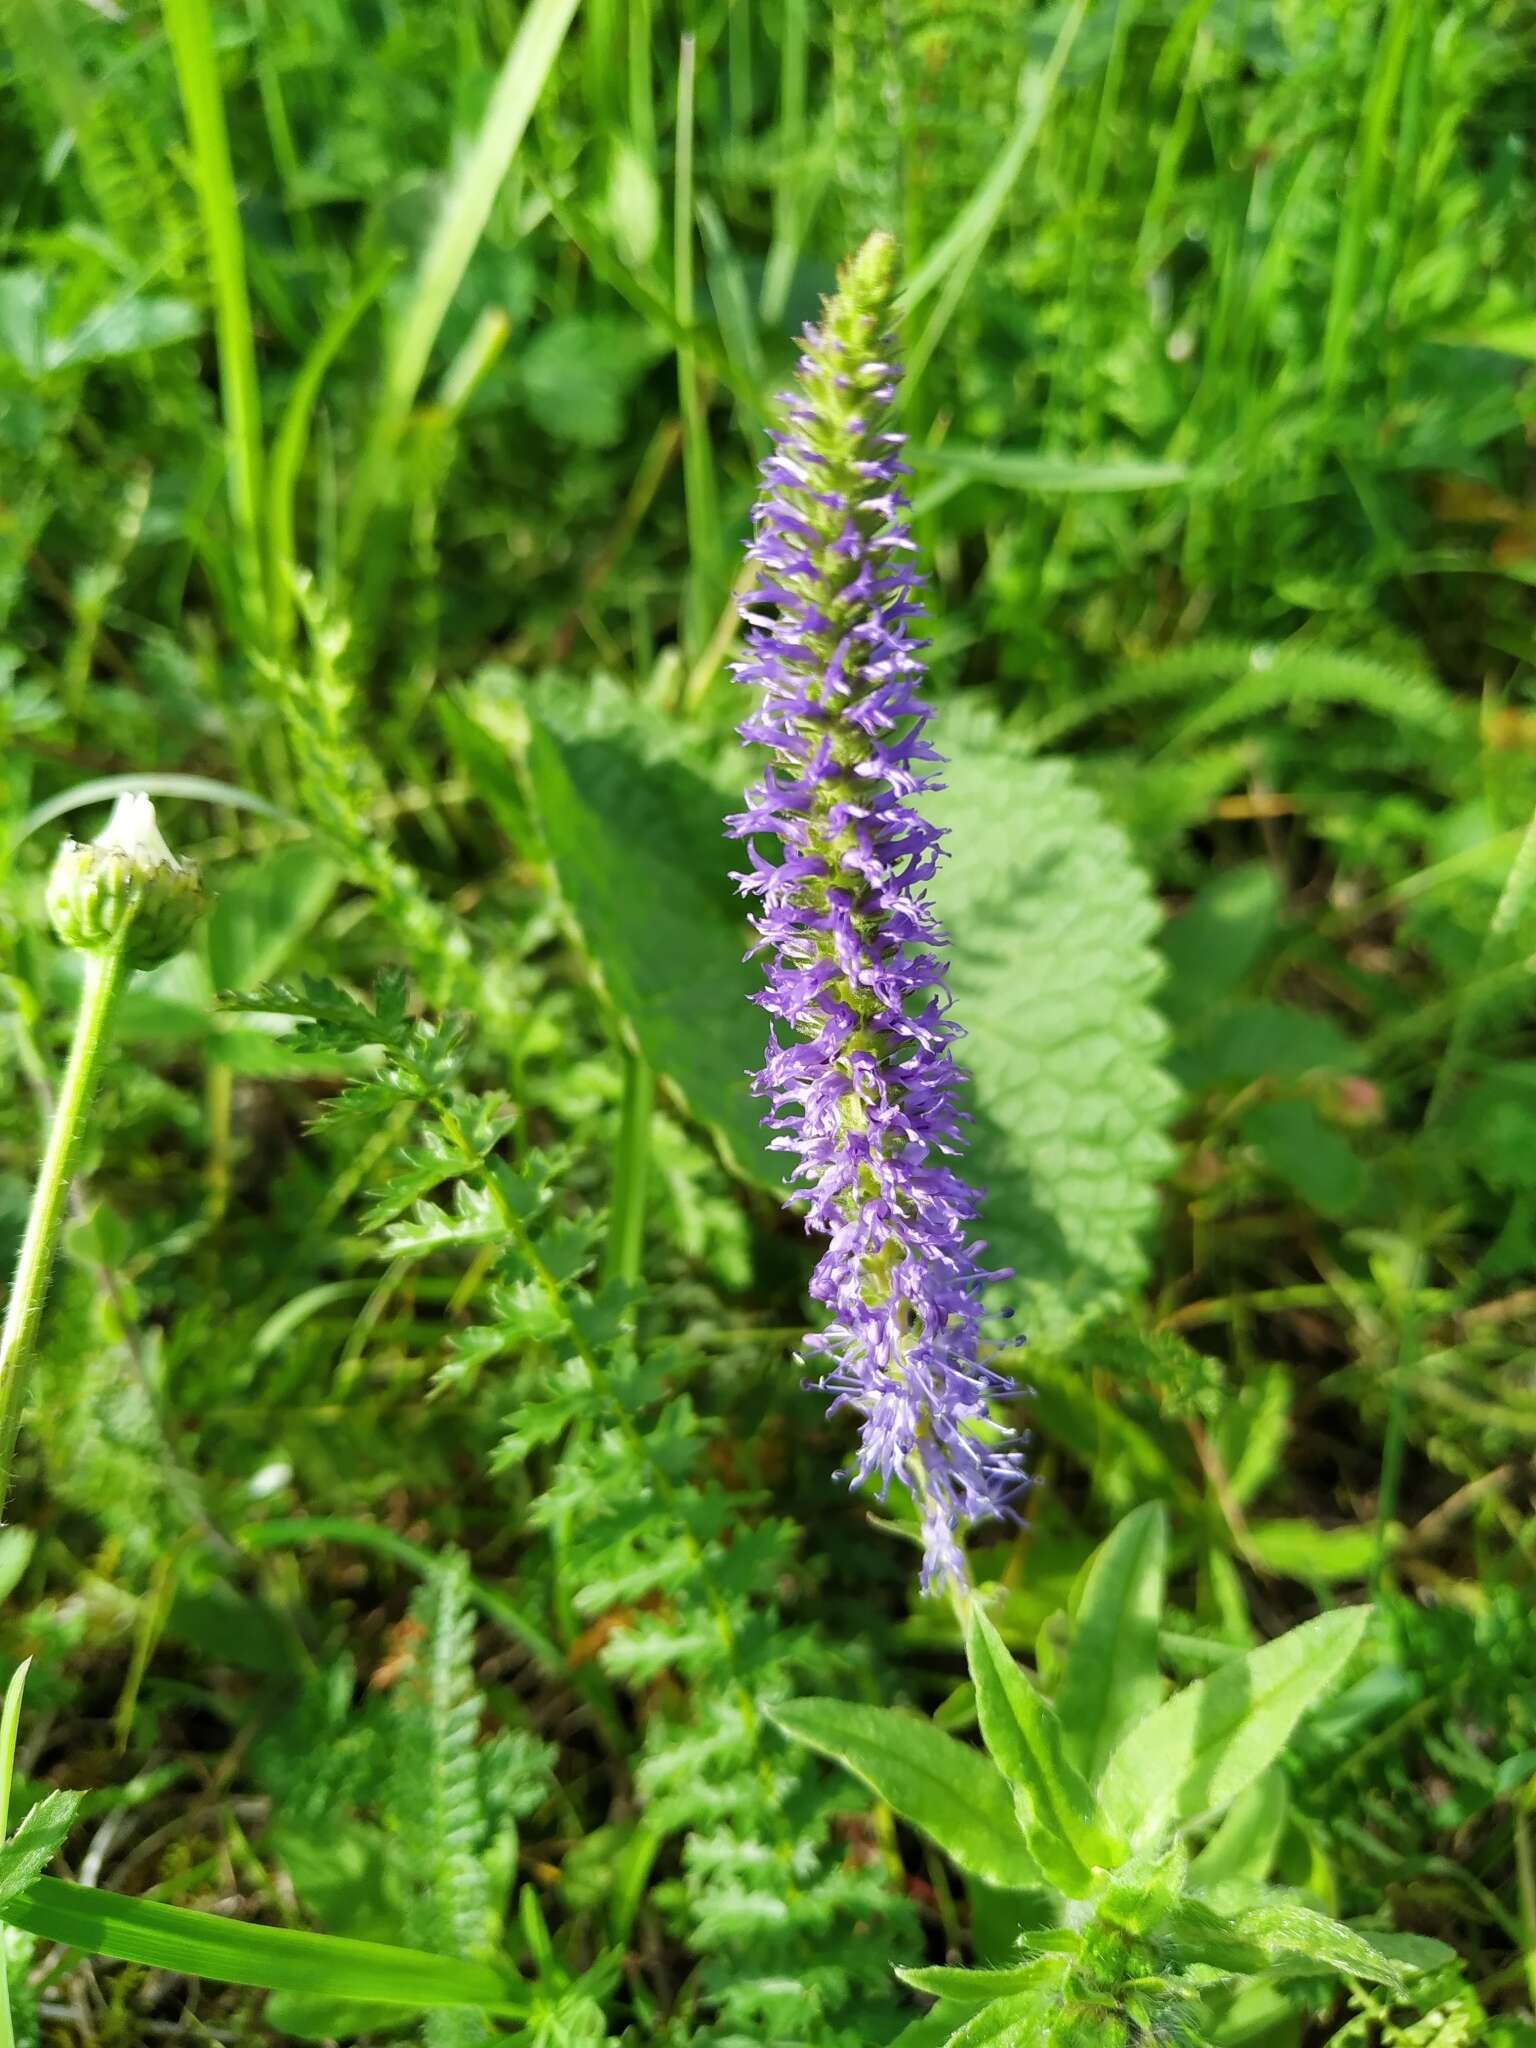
x: 435, y: 1790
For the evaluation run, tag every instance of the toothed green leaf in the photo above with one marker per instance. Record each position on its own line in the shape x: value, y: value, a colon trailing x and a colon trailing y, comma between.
x: 1053, y: 969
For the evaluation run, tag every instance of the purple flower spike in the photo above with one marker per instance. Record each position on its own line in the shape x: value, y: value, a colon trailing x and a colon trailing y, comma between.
x: 859, y: 1070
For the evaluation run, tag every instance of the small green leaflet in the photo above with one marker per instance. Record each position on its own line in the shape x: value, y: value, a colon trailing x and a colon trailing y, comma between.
x: 37, y: 1840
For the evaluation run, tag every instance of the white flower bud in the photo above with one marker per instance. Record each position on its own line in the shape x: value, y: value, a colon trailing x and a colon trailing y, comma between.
x: 125, y: 887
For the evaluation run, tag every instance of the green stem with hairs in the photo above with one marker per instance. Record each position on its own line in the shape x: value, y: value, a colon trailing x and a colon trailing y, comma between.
x: 105, y: 973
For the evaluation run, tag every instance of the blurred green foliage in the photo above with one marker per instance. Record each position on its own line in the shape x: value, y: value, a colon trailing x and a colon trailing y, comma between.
x: 389, y: 475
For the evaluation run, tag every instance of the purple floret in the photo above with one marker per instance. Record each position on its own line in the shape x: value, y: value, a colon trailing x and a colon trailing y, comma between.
x: 860, y: 1070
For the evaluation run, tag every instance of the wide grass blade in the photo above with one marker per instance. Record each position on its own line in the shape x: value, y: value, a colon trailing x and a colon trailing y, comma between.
x: 293, y: 439
x: 789, y: 209
x: 706, y: 572
x: 948, y: 265
x: 189, y: 26
x: 104, y: 788
x: 268, y: 1958
x: 460, y: 225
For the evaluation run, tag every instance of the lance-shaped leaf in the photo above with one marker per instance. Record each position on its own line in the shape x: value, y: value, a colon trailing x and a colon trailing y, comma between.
x: 952, y: 1792
x: 1063, y: 1828
x: 980, y: 1987
x: 1245, y: 1845
x: 1198, y: 1751
x: 1013, y: 2022
x: 1283, y: 1929
x: 1112, y: 1678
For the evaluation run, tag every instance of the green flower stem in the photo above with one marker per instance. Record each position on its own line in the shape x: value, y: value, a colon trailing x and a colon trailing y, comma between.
x: 631, y: 1163
x: 105, y: 973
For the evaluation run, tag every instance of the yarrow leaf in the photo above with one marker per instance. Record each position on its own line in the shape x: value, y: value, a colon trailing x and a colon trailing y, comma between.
x: 332, y: 1019
x: 37, y: 1840
x: 472, y: 1220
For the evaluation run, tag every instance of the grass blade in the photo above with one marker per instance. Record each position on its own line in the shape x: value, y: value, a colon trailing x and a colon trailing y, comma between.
x: 789, y: 210
x: 269, y: 1958
x: 705, y: 574
x: 103, y: 788
x: 190, y: 29
x: 460, y: 225
x: 1361, y: 211
x: 293, y: 439
x: 631, y: 1163
x: 948, y: 265
x: 10, y: 1724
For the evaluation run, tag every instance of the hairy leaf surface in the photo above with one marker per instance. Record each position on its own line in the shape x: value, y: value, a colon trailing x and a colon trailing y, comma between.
x: 632, y: 826
x: 1051, y: 922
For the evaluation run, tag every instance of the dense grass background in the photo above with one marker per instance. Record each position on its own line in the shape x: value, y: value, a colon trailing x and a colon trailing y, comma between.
x: 332, y: 460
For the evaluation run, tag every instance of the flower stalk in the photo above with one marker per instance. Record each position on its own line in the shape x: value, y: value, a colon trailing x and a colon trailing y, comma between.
x: 105, y: 974
x: 124, y: 901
